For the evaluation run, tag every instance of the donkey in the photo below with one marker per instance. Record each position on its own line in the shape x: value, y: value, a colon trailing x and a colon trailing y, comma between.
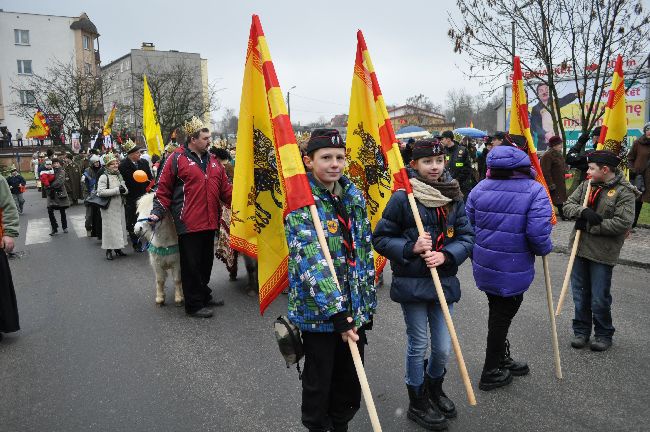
x: 163, y: 249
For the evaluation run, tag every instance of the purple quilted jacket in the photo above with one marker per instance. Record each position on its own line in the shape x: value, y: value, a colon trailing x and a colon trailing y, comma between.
x: 511, y: 214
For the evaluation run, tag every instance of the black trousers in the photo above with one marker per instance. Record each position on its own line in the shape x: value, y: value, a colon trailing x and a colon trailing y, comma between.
x: 637, y: 211
x: 502, y: 311
x: 53, y: 223
x: 8, y: 307
x: 130, y: 207
x: 331, y: 394
x: 197, y: 254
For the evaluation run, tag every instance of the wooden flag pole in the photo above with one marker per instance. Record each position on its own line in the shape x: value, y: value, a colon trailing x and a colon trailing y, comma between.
x: 445, y: 311
x: 572, y: 258
x: 549, y: 300
x: 354, y: 349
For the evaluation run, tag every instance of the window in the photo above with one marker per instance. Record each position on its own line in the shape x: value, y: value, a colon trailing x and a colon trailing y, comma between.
x: 87, y: 43
x: 21, y: 37
x: 27, y: 97
x: 87, y: 69
x: 25, y: 67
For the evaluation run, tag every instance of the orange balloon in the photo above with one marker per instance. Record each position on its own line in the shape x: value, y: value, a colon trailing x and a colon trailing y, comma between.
x: 140, y: 176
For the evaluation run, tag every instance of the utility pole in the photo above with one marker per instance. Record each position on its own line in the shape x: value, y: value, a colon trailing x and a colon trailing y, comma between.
x: 289, y: 102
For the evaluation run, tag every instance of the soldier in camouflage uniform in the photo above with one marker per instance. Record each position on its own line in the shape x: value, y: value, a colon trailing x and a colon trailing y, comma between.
x: 327, y: 315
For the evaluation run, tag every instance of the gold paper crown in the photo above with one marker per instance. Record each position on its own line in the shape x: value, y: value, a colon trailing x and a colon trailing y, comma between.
x: 108, y: 158
x: 192, y: 125
x: 128, y: 145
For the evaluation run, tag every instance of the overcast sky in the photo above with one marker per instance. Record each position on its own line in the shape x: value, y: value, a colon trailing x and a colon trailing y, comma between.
x: 312, y: 43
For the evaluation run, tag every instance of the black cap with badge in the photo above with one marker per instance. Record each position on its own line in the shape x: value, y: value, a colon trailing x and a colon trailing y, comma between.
x: 324, y: 138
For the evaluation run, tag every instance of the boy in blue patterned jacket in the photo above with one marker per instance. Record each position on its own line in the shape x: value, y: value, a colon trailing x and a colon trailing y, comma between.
x: 326, y: 315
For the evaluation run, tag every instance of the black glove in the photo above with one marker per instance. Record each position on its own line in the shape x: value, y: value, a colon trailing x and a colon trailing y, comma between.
x: 581, y: 225
x: 340, y: 321
x: 591, y: 216
x: 122, y: 190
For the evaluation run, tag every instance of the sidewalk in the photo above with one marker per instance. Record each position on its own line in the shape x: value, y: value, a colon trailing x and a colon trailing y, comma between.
x: 635, y: 252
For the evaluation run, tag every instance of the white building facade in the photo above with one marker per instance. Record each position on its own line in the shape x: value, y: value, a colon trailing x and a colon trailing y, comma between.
x: 28, y: 44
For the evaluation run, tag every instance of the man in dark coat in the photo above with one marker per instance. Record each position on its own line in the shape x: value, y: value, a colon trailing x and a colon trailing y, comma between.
x: 553, y: 169
x: 130, y: 164
x: 73, y: 179
x: 541, y: 121
x: 576, y: 157
x: 639, y: 163
x: 459, y: 164
x: 481, y: 160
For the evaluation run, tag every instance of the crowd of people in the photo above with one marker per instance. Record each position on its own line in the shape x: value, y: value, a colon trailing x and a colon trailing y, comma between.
x: 463, y: 209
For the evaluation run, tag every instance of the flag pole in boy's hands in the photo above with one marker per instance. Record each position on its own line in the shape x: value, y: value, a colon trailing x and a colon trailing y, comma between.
x: 612, y: 133
x: 264, y: 122
x: 367, y: 107
x: 519, y: 125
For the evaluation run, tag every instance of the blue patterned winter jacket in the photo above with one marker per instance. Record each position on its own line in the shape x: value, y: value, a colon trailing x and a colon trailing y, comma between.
x: 313, y: 295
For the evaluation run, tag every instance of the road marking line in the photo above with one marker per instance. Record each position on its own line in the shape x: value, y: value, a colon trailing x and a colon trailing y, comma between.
x: 38, y: 231
x: 78, y: 223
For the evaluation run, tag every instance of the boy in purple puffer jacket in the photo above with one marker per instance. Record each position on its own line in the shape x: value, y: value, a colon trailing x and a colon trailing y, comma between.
x: 511, y: 215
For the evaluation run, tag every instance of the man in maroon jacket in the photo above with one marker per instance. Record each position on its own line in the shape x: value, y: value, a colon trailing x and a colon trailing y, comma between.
x: 190, y: 188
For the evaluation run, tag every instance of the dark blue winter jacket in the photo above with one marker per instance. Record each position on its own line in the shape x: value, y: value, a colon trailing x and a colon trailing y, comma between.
x: 396, y: 234
x: 511, y: 217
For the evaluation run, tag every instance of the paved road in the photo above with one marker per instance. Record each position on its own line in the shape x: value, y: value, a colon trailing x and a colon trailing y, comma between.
x: 95, y: 354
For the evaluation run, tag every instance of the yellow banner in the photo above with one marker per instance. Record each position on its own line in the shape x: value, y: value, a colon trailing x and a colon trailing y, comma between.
x: 109, y: 122
x: 150, y: 125
x: 39, y: 127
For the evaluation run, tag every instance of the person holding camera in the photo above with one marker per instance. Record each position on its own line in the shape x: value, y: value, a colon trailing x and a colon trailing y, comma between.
x: 111, y: 185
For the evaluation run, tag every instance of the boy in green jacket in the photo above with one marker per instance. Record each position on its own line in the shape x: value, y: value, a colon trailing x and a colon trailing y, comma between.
x: 604, y: 223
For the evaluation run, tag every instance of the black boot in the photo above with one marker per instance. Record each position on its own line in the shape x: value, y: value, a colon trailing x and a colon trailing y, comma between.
x: 119, y: 252
x: 494, y: 378
x: 109, y: 254
x: 516, y: 368
x: 437, y: 396
x: 421, y: 412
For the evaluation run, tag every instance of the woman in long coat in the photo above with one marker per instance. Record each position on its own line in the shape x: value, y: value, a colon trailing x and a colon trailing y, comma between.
x: 111, y: 185
x: 553, y: 169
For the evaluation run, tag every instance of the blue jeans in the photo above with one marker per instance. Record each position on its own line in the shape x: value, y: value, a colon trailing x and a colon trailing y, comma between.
x: 420, y: 317
x: 591, y: 283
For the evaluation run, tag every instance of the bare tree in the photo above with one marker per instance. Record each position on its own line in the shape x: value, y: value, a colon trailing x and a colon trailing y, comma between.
x: 578, y: 38
x: 420, y: 107
x: 228, y: 123
x: 64, y: 91
x: 178, y: 94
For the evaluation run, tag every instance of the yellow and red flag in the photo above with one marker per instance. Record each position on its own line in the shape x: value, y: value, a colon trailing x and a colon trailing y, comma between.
x: 108, y: 126
x: 270, y: 179
x: 520, y: 125
x: 374, y: 160
x: 614, y: 127
x: 39, y: 128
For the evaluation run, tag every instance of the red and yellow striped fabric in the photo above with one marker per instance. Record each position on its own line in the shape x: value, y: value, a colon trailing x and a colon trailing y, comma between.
x: 39, y: 128
x: 614, y: 127
x: 520, y: 124
x: 374, y: 160
x: 270, y: 179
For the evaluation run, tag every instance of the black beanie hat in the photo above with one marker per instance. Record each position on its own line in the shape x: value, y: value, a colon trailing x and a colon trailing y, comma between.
x: 596, y: 132
x: 604, y: 157
x: 500, y: 135
x: 324, y: 138
x: 447, y: 134
x: 426, y: 148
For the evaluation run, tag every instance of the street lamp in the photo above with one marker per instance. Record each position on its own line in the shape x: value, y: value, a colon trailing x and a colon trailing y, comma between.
x: 289, y: 102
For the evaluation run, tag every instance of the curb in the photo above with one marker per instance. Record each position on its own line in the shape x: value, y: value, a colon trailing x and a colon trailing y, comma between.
x: 622, y: 261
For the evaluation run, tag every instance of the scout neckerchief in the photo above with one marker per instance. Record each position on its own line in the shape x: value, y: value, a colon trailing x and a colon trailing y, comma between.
x: 594, y: 196
x: 346, y: 228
